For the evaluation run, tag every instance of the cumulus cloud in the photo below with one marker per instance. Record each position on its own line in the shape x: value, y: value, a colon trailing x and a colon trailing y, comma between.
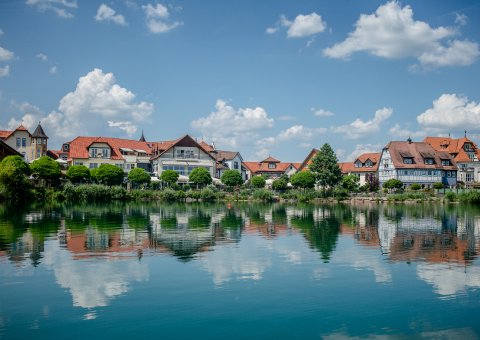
x: 106, y: 13
x: 157, y: 18
x: 402, y: 132
x: 42, y: 57
x: 97, y: 102
x: 6, y: 54
x: 299, y: 132
x: 391, y: 32
x: 53, y: 70
x: 60, y: 7
x: 361, y: 149
x: 358, y: 128
x: 451, y: 112
x: 232, y: 127
x: 301, y: 26
x: 4, y: 71
x: 321, y: 113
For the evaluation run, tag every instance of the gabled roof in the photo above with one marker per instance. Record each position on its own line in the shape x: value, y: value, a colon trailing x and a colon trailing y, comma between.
x: 363, y: 158
x: 187, y: 140
x: 270, y: 159
x: 79, y: 146
x: 308, y: 160
x: 207, y: 146
x: 372, y: 156
x: 453, y: 147
x: 403, y: 149
x: 226, y: 155
x: 260, y: 167
x: 21, y: 128
x: 4, y: 134
x: 348, y: 167
x: 39, y: 133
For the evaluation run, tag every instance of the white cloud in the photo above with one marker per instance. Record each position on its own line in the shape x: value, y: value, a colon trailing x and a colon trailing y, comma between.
x: 232, y: 127
x: 305, y: 25
x: 299, y: 132
x: 5, y: 54
x: 59, y: 7
x: 321, y: 113
x: 451, y: 112
x: 42, y: 56
x: 97, y: 101
x: 301, y: 26
x: 358, y: 128
x: 361, y: 149
x: 448, y: 279
x: 461, y: 19
x: 157, y: 18
x: 106, y: 13
x: 398, y: 131
x: 53, y: 70
x: 391, y: 32
x: 4, y: 71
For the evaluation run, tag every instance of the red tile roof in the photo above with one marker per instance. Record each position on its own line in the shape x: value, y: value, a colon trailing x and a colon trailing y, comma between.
x: 79, y: 146
x: 207, y: 146
x: 347, y: 167
x: 270, y: 159
x: 160, y: 148
x: 418, y: 151
x: 308, y: 160
x: 5, y: 133
x: 261, y: 167
x: 453, y: 147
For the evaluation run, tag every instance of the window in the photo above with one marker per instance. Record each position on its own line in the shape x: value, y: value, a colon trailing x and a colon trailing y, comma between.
x: 467, y: 147
x: 271, y: 165
x: 66, y: 147
x: 93, y: 165
x: 45, y: 141
x: 428, y: 161
x: 447, y: 162
x: 18, y: 142
x: 369, y: 164
x: 469, y: 177
x: 24, y: 142
x: 358, y: 164
x: 408, y: 160
x: 65, y: 158
x: 235, y: 165
x: 76, y: 163
x: 39, y: 141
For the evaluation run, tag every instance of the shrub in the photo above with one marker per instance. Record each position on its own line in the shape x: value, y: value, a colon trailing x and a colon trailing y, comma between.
x: 303, y: 179
x: 280, y: 184
x: 438, y: 185
x: 78, y: 173
x: 46, y: 168
x: 451, y: 196
x: 263, y: 195
x: 169, y: 176
x: 258, y: 182
x: 341, y: 193
x: 231, y: 178
x: 168, y: 195
x: 200, y: 177
x: 138, y: 176
x: 193, y: 194
x: 207, y: 195
x: 108, y: 174
x: 14, y: 184
x: 415, y: 186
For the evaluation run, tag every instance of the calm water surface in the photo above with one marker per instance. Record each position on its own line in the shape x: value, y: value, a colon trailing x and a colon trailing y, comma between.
x: 241, y: 271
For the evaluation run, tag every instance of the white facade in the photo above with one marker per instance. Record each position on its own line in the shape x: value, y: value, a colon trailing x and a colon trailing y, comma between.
x: 183, y: 159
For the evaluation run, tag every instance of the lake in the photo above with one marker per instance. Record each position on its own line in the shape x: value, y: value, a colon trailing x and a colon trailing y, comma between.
x: 181, y: 271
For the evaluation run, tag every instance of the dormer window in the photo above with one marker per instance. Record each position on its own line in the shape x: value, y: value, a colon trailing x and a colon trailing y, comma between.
x: 358, y: 164
x: 66, y: 147
x: 467, y: 147
x: 369, y: 164
x: 272, y: 165
x: 408, y: 160
x: 429, y: 161
x: 446, y: 162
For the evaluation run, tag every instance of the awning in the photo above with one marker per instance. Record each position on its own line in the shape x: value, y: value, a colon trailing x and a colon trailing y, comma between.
x: 126, y: 149
x: 140, y: 151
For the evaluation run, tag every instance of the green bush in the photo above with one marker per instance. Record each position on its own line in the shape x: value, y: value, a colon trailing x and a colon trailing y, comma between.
x: 451, y: 196
x: 470, y: 196
x: 438, y: 185
x: 263, y: 195
x: 415, y: 186
x: 193, y: 194
x: 258, y: 182
x: 207, y: 195
x: 78, y: 173
x: 168, y: 195
x: 341, y: 193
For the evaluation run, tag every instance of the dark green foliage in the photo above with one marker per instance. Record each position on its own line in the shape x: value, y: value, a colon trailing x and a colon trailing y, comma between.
x: 168, y: 195
x: 280, y: 184
x: 231, y: 178
x: 78, y: 173
x: 169, y: 176
x: 93, y: 193
x: 200, y: 177
x: 438, y: 185
x: 207, y: 195
x: 393, y: 183
x: 303, y: 179
x: 350, y: 183
x: 415, y: 186
x: 258, y: 182
x: 325, y: 167
x: 263, y: 195
x: 138, y: 176
x: 108, y: 174
x: 14, y: 184
x: 46, y: 168
x: 372, y: 183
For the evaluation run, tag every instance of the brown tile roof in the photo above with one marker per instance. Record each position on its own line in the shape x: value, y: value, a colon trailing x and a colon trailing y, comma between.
x: 297, y: 165
x: 260, y: 167
x: 418, y: 151
x: 347, y: 167
x: 4, y: 134
x: 79, y: 146
x: 206, y: 146
x: 270, y: 159
x: 21, y: 128
x: 225, y: 155
x: 308, y: 160
x: 161, y: 147
x: 453, y: 147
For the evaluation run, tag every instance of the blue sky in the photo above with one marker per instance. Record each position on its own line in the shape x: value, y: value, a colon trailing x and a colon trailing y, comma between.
x: 260, y: 77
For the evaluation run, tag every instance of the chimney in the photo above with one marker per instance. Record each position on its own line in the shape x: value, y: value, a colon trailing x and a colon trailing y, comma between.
x: 409, y: 140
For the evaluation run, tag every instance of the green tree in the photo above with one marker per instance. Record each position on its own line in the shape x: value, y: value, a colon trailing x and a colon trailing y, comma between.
x: 280, y: 184
x: 258, y: 182
x: 108, y: 174
x: 47, y: 169
x: 303, y: 179
x: 169, y: 176
x: 325, y: 167
x: 200, y: 177
x: 393, y: 184
x: 231, y: 178
x: 14, y: 184
x: 438, y: 185
x: 350, y: 183
x: 138, y: 176
x: 372, y: 183
x: 415, y: 186
x: 78, y: 173
x: 18, y: 162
